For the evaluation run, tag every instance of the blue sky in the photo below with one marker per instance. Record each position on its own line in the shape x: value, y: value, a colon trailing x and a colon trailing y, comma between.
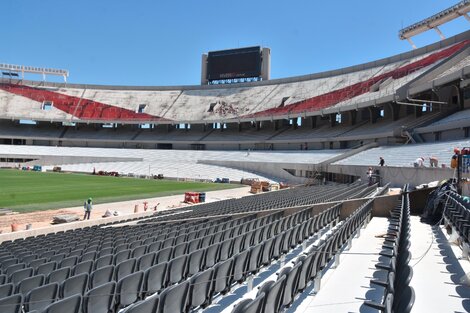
x: 144, y: 42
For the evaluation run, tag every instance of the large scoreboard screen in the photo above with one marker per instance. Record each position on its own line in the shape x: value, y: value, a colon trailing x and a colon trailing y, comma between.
x: 234, y: 63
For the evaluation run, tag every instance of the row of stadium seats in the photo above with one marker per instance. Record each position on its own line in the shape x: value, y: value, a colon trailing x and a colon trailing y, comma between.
x: 398, y: 295
x: 177, y: 267
x: 276, y: 296
x: 285, y: 198
x: 457, y: 215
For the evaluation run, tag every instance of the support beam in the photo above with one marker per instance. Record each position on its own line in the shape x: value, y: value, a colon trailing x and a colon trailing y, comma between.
x: 466, y: 16
x: 411, y: 43
x: 427, y: 101
x: 438, y: 31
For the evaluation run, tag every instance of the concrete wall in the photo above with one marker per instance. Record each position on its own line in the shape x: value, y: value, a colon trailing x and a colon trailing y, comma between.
x: 381, y: 206
x: 267, y: 169
x: 396, y: 176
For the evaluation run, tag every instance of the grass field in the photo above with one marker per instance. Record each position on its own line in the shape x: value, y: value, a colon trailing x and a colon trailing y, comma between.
x: 32, y: 191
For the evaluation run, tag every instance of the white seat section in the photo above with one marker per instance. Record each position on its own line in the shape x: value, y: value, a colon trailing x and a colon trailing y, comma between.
x: 405, y: 155
x: 456, y: 117
x: 171, y: 163
x: 456, y: 67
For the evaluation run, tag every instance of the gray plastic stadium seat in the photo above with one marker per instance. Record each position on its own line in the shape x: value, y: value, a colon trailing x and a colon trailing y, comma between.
x: 6, y: 290
x: 168, y: 242
x: 247, y: 240
x: 385, y: 307
x: 14, y: 268
x: 11, y: 304
x: 222, y: 271
x: 164, y: 255
x: 128, y: 289
x: 3, y: 279
x: 88, y: 256
x: 46, y: 268
x: 237, y: 244
x: 193, y: 245
x: 138, y: 251
x: 69, y: 261
x: 124, y: 268
x: 59, y: 275
x: 154, y: 246
x: 250, y: 306
x: 104, y: 260
x: 174, y: 299
x: 212, y: 255
x: 120, y: 248
x: 122, y: 256
x: 100, y: 299
x: 145, y: 261
x: 254, y: 259
x: 149, y: 305
x: 8, y: 262
x: 276, y: 249
x: 134, y: 244
x: 57, y: 257
x: 177, y: 269
x: 286, y: 242
x: 304, y: 271
x: 240, y: 262
x: 19, y: 275
x: 406, y: 301
x: 39, y: 298
x: 74, y: 285
x: 195, y: 261
x: 273, y: 291
x: 180, y: 249
x: 83, y: 267
x: 105, y: 251
x: 290, y: 287
x: 155, y: 278
x: 200, y: 291
x: 71, y: 304
x: 225, y: 251
x: 266, y: 254
x: 35, y: 263
x: 28, y: 284
x: 48, y: 255
x: 101, y: 276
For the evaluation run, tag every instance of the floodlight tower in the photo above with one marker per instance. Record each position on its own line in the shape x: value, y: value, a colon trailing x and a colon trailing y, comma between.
x: 12, y: 70
x: 433, y: 22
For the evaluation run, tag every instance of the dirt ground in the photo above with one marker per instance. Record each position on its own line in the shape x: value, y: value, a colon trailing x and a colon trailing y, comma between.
x: 43, y: 219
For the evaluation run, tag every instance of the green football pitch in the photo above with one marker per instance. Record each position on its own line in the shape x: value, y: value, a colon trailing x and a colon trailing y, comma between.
x: 25, y: 191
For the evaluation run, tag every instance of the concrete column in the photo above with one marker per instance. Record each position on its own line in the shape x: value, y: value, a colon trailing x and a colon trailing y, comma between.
x: 204, y: 69
x: 313, y: 121
x: 294, y: 123
x: 332, y: 119
x: 461, y: 101
x: 395, y: 108
x: 374, y: 113
x: 265, y: 63
x: 352, y: 117
x: 418, y: 112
